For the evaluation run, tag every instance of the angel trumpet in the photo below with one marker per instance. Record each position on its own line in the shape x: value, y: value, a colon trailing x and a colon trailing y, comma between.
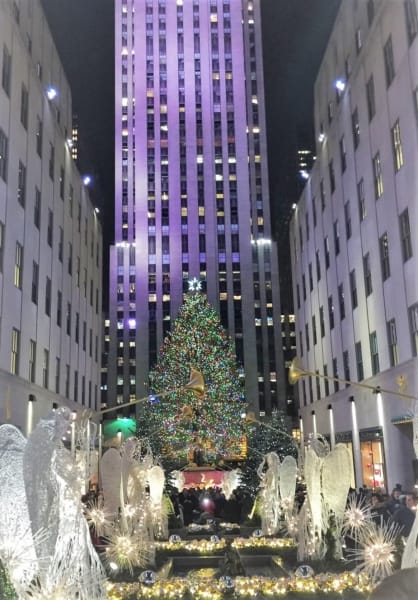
x: 196, y: 383
x: 296, y: 371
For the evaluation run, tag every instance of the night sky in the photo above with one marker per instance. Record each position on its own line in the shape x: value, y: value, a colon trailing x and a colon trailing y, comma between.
x: 295, y: 34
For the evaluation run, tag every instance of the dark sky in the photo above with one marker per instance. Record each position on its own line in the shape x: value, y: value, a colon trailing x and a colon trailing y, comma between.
x: 295, y: 33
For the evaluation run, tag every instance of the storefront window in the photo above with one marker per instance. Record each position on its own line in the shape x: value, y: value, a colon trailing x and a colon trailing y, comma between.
x: 373, y: 461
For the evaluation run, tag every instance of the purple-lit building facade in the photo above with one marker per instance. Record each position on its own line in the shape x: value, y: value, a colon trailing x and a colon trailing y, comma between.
x: 191, y: 197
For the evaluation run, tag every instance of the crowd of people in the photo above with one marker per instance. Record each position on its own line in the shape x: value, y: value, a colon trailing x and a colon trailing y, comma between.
x: 398, y: 508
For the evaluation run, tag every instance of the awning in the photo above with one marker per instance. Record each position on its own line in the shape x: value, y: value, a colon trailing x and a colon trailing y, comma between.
x: 408, y: 418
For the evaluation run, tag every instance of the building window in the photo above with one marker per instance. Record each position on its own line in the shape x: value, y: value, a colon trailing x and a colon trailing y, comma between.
x: 371, y: 102
x: 318, y: 266
x: 45, y: 368
x: 330, y: 111
x: 341, y: 302
x: 24, y: 106
x: 4, y: 154
x: 18, y: 265
x: 6, y: 71
x: 50, y: 228
x: 62, y: 182
x: 361, y: 200
x: 355, y: 128
x: 358, y: 40
x: 397, y: 146
x: 59, y: 308
x: 39, y: 135
x: 393, y: 343
x: 21, y: 184
x: 335, y: 374
x: 314, y: 334
x: 14, y: 355
x: 70, y: 258
x: 384, y: 256
x: 308, y: 345
x: 310, y: 277
x: 51, y: 162
x: 374, y: 353
x: 35, y: 282
x: 343, y: 154
x: 322, y: 194
x: 370, y: 11
x: 37, y: 209
x: 413, y: 323
x: 346, y: 365
x: 32, y: 361
x: 353, y: 289
x: 377, y: 176
x: 389, y: 61
x: 331, y: 312
x: 68, y: 319
x: 326, y: 251
x: 67, y: 381
x: 367, y: 274
x: 60, y: 244
x: 77, y: 327
x: 411, y: 19
x: 347, y: 219
x: 326, y: 381
x: 359, y: 361
x: 405, y: 231
x: 322, y: 321
x: 48, y: 297
x: 331, y: 176
x: 336, y: 238
x: 57, y: 374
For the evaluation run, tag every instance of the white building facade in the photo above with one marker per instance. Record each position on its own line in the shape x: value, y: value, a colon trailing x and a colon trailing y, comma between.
x: 354, y: 243
x: 50, y: 235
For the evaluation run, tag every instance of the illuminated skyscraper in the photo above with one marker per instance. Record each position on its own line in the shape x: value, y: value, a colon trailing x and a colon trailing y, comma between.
x: 191, y: 197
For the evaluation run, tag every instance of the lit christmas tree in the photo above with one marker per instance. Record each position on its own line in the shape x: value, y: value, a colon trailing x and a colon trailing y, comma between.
x: 183, y: 424
x: 271, y: 435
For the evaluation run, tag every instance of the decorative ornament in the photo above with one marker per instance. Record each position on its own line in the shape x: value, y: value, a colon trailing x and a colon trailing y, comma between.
x: 257, y: 533
x: 304, y: 571
x: 377, y: 552
x: 215, y: 538
x: 195, y: 285
x: 226, y: 582
x: 174, y: 538
x: 147, y: 578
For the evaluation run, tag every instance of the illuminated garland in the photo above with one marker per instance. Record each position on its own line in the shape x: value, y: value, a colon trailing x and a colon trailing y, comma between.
x: 183, y: 420
x: 241, y: 543
x: 192, y: 546
x: 247, y: 587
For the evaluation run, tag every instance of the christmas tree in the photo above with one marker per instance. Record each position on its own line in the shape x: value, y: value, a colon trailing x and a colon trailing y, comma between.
x: 270, y: 435
x: 179, y: 422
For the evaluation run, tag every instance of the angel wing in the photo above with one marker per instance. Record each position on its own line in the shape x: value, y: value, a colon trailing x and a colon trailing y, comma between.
x: 14, y: 515
x: 111, y: 468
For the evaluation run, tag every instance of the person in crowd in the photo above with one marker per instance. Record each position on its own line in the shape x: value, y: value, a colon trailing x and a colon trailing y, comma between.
x: 380, y: 513
x: 404, y: 517
x: 395, y: 500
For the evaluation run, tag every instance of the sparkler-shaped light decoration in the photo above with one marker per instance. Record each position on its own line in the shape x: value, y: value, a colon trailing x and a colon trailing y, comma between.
x: 376, y: 554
